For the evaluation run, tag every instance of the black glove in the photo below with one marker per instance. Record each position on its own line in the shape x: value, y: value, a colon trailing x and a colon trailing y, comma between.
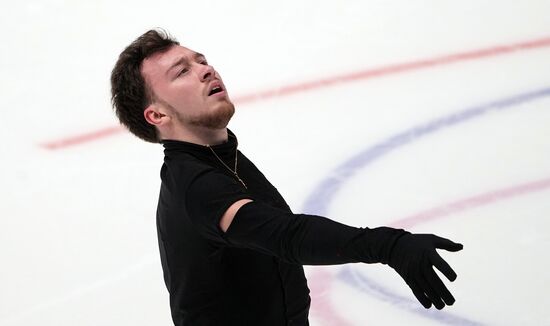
x: 316, y: 240
x: 413, y: 257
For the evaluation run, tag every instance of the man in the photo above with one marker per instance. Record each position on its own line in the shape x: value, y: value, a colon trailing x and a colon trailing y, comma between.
x: 231, y: 249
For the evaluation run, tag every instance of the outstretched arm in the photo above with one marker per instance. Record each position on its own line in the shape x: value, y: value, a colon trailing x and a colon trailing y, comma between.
x: 316, y: 240
x: 228, y: 215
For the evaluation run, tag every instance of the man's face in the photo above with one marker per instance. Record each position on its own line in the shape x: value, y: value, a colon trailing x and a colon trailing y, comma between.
x: 189, y: 88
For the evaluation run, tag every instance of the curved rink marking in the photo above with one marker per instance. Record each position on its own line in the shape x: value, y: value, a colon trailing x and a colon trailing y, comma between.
x: 362, y: 74
x: 321, y: 197
x: 367, y: 285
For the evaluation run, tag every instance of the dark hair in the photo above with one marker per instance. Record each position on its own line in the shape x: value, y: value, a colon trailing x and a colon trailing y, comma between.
x: 130, y: 94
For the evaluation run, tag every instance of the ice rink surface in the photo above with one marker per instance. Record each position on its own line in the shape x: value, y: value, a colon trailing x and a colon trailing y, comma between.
x: 428, y: 115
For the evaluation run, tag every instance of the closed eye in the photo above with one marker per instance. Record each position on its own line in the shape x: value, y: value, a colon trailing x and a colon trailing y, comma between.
x: 183, y: 71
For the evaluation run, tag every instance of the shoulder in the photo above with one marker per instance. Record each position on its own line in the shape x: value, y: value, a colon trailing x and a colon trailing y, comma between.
x: 183, y: 169
x: 186, y: 172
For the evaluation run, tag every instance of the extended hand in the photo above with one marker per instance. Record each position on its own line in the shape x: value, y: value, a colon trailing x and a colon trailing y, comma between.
x: 414, y: 256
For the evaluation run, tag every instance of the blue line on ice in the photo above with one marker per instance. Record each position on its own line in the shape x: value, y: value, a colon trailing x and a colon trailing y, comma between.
x: 321, y: 197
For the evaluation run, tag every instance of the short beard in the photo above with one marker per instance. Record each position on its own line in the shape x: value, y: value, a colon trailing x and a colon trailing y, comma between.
x: 217, y: 119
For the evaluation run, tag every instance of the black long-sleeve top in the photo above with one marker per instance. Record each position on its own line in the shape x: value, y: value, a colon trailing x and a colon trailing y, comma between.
x: 212, y: 281
x: 251, y: 274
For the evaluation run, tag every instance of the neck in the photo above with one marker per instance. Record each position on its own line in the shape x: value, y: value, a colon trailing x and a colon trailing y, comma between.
x: 200, y: 135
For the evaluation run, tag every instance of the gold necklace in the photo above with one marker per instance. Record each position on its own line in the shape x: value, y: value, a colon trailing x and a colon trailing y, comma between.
x: 227, y: 167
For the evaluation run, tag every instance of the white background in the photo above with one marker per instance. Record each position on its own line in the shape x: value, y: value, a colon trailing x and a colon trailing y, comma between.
x: 77, y: 227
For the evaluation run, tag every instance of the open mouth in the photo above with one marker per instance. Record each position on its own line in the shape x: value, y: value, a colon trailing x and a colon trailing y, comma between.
x: 215, y: 90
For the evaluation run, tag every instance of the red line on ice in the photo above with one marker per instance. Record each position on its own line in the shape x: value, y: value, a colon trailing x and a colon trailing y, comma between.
x: 322, y: 307
x: 82, y: 138
x: 332, y: 80
x: 472, y: 202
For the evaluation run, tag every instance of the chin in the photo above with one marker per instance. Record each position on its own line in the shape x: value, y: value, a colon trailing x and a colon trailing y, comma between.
x: 218, y: 118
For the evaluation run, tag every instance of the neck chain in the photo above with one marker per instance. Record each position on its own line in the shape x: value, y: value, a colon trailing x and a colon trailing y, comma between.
x: 234, y: 172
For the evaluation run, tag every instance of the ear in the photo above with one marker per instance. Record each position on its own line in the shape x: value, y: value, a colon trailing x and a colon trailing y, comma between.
x: 154, y: 115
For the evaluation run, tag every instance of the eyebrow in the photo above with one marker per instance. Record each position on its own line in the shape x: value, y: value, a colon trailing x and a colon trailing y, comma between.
x: 183, y: 60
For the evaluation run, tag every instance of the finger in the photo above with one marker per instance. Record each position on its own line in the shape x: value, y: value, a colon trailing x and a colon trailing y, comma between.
x: 447, y: 244
x: 442, y: 266
x: 436, y: 283
x: 419, y: 294
x: 430, y: 292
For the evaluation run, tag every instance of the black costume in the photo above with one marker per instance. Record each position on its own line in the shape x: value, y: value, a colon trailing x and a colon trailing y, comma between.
x: 252, y: 274
x: 210, y: 282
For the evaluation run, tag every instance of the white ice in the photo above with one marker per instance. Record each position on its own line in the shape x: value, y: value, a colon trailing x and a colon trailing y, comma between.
x: 77, y: 228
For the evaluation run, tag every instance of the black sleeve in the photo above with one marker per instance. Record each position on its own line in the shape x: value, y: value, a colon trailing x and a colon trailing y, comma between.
x: 294, y: 238
x: 308, y: 239
x: 209, y: 195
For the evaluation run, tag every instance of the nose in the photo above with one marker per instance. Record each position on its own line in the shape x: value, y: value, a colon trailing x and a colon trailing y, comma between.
x: 207, y: 73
